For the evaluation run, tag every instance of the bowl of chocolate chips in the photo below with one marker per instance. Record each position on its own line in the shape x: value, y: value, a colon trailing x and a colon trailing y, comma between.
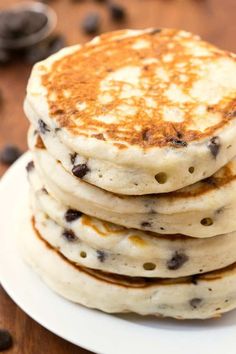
x: 26, y: 24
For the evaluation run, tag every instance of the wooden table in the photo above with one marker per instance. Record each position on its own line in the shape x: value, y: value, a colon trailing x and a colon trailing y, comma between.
x: 214, y: 20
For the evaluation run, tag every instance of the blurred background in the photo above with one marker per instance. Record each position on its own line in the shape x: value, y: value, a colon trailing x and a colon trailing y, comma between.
x: 31, y: 31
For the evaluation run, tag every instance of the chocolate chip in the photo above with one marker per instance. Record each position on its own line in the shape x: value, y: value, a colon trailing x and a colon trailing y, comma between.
x: 177, y: 260
x: 220, y: 210
x: 101, y: 255
x: 72, y: 215
x: 80, y: 170
x: 56, y: 43
x: 195, y: 302
x: 214, y: 146
x: 5, y: 340
x: 30, y: 166
x: 146, y: 224
x: 177, y: 142
x: 117, y: 12
x: 73, y: 157
x: 44, y: 190
x: 210, y: 180
x: 91, y: 23
x: 162, y: 228
x: 9, y: 154
x: 43, y: 127
x: 69, y: 235
x: 194, y: 279
x: 36, y: 53
x: 155, y: 31
x: 146, y: 134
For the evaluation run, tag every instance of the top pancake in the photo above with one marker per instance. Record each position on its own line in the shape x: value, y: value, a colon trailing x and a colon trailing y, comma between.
x: 136, y: 97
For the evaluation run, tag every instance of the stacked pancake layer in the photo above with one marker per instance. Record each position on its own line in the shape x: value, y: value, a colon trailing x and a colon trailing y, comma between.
x: 129, y: 114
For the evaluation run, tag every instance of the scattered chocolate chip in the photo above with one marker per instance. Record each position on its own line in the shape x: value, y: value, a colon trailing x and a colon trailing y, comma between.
x: 9, y: 154
x: 69, y: 235
x: 226, y: 300
x: 195, y: 302
x: 30, y: 166
x: 5, y: 340
x: 91, y: 23
x: 36, y: 53
x: 146, y: 224
x: 177, y: 260
x: 155, y: 31
x: 72, y: 215
x: 218, y: 309
x: 43, y: 127
x: 162, y: 228
x: 101, y: 255
x: 117, y: 12
x: 214, y: 146
x: 80, y: 170
x: 56, y: 42
x: 210, y: 289
x: 177, y: 142
x: 73, y: 158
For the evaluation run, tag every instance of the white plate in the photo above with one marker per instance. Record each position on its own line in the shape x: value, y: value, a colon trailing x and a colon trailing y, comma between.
x: 94, y: 330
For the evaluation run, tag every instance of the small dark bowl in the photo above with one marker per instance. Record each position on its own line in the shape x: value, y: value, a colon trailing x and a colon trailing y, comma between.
x: 36, y: 37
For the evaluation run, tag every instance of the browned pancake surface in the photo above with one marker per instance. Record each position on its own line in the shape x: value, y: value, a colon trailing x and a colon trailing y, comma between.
x: 91, y: 92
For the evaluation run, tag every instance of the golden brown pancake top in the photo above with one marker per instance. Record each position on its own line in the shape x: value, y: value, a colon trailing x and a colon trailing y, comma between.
x: 143, y: 89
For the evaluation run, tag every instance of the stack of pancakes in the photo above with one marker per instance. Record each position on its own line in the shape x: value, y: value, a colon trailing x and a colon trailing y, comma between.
x: 133, y: 187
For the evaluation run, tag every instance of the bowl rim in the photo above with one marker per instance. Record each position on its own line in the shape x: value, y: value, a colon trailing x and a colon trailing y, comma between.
x: 33, y: 38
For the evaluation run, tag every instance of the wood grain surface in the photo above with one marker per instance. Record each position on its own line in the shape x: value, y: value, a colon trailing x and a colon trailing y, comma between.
x: 214, y: 20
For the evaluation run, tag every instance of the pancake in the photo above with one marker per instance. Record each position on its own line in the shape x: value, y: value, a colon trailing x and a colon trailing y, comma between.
x: 204, y: 209
x: 92, y: 243
x: 201, y: 297
x: 143, y: 112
